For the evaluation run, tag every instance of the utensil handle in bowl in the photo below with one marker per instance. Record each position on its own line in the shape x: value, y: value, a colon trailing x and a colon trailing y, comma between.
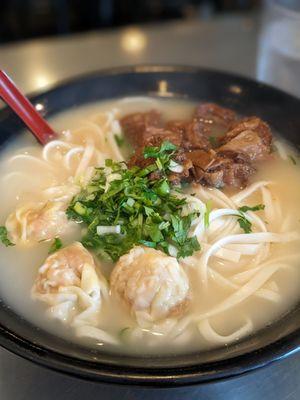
x: 12, y: 96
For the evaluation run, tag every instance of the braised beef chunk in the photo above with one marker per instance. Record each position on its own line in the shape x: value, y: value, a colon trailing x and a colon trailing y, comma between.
x: 191, y: 133
x: 155, y: 136
x: 135, y: 125
x: 177, y: 126
x: 214, y: 119
x: 250, y: 136
x: 201, y: 158
x: 194, y: 137
x: 250, y: 123
x: 229, y: 163
x: 237, y: 174
x: 212, y: 169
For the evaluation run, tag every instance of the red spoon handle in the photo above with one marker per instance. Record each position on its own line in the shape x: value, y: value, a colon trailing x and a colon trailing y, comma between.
x: 24, y: 109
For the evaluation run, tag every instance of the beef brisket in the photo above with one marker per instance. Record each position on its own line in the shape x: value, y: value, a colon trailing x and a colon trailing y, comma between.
x: 230, y: 163
x: 214, y: 119
x: 136, y: 126
x: 250, y: 136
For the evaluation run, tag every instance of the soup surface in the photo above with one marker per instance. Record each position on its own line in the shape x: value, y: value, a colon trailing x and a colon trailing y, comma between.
x: 230, y: 269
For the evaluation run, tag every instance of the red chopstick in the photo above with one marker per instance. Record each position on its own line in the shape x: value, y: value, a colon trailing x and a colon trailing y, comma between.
x: 12, y: 96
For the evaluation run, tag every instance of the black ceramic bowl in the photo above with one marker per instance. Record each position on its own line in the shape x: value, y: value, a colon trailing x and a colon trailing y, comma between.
x: 272, y: 343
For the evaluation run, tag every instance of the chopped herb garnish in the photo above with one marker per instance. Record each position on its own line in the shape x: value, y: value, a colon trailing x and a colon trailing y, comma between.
x: 243, y: 221
x: 162, y: 151
x: 145, y: 211
x: 292, y: 159
x: 162, y: 156
x: 206, y: 214
x: 56, y: 245
x: 258, y: 207
x: 119, y: 140
x: 4, y: 237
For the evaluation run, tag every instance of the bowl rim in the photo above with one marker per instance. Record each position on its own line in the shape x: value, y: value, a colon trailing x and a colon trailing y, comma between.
x: 147, y: 376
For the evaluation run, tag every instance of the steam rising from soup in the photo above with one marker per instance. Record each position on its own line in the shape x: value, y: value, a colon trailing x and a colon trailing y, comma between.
x: 241, y: 274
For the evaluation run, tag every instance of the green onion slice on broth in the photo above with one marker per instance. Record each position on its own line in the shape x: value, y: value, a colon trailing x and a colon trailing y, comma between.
x: 56, y: 245
x: 4, y: 237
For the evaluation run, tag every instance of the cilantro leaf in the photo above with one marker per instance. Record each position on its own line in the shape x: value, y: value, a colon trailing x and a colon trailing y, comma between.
x: 161, y: 156
x: 167, y: 146
x: 4, y: 237
x: 245, y: 224
x: 156, y: 152
x: 243, y: 221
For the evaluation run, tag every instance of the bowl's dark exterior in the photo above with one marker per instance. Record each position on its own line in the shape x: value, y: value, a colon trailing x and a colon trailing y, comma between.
x: 278, y: 340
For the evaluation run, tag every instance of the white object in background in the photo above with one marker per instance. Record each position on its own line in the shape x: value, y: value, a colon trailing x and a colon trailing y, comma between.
x: 278, y: 61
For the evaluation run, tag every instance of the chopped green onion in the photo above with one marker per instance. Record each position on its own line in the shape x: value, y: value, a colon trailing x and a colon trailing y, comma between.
x: 147, y: 243
x: 172, y: 250
x: 134, y: 209
x: 56, y: 245
x: 163, y: 189
x: 4, y: 237
x: 207, y: 213
x: 175, y: 167
x: 79, y: 208
x: 159, y: 164
x: 130, y: 202
x: 105, y: 230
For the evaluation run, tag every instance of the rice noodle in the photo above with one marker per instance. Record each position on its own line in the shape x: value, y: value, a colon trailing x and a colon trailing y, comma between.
x: 211, y: 335
x: 242, y: 238
x: 242, y: 265
x: 86, y: 158
x: 244, y: 194
x: 70, y: 154
x: 281, y: 148
x: 28, y: 157
x: 264, y: 293
x: 245, y: 291
x: 96, y: 333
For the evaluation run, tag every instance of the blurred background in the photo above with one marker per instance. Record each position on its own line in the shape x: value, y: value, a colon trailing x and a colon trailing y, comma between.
x: 45, y: 41
x: 24, y: 19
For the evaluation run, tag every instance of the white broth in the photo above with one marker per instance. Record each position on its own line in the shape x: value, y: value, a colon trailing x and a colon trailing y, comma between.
x: 241, y: 287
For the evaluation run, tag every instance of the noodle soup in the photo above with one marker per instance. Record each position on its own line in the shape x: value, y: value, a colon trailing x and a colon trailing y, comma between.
x: 209, y: 258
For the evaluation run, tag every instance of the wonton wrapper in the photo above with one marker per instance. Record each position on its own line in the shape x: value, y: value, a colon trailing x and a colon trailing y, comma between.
x: 69, y: 284
x: 153, y: 285
x: 34, y: 222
